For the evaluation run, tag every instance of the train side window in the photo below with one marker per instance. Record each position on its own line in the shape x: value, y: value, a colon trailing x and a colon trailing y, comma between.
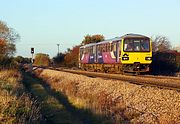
x: 108, y: 47
x: 87, y: 50
x: 112, y: 46
x: 98, y: 49
x: 84, y: 51
x: 103, y: 47
x: 81, y: 52
x: 94, y: 49
x: 90, y: 50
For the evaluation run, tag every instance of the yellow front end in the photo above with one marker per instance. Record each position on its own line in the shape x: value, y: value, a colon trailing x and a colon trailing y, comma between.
x: 134, y: 61
x: 136, y: 57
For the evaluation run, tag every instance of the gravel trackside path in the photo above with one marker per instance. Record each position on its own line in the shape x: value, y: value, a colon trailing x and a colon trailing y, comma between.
x: 118, y: 100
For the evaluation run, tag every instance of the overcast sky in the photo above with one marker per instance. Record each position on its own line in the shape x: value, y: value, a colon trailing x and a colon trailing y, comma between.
x: 43, y: 24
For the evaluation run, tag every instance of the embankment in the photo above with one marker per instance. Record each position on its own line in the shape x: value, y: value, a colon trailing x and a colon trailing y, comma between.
x: 119, y: 101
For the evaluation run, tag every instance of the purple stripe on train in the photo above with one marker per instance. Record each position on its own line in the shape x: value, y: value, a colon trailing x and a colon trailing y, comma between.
x: 85, y: 58
x: 105, y: 57
x: 109, y: 57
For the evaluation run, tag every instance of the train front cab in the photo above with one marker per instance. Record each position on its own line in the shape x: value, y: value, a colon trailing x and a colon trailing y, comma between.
x: 136, y: 54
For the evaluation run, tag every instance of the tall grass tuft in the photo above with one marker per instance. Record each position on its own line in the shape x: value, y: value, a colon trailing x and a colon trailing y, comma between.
x: 16, y: 106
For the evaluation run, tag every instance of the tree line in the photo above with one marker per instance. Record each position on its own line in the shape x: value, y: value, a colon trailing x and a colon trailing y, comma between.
x: 70, y: 58
x: 8, y: 38
x: 161, y: 47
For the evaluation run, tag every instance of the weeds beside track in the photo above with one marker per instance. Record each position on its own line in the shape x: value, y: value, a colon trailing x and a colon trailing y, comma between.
x: 16, y: 106
x: 56, y: 108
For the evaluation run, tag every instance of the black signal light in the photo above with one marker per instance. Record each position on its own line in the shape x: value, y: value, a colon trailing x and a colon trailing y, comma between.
x: 32, y: 50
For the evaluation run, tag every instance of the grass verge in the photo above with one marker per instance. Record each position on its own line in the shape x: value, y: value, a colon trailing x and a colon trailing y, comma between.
x: 15, y: 104
x: 56, y: 108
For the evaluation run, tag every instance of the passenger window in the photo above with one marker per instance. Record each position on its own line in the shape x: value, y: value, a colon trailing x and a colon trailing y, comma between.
x: 108, y: 47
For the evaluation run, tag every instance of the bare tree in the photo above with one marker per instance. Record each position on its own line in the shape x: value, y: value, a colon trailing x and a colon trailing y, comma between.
x: 161, y: 43
x: 8, y: 37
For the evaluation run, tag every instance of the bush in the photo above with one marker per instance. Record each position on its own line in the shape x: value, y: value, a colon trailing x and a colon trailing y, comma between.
x: 7, y: 63
x: 42, y: 60
x: 165, y: 63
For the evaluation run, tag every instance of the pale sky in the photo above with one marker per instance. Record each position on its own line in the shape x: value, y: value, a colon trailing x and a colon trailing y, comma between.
x: 43, y: 24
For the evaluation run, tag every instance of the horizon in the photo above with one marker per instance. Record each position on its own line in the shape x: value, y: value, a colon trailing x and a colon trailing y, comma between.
x: 44, y: 25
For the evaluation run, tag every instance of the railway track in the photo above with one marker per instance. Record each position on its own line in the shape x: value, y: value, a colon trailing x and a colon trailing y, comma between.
x: 160, y: 77
x: 156, y: 81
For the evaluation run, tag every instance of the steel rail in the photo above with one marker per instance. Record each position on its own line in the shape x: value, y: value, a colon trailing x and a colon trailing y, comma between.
x: 166, y: 83
x: 159, y: 77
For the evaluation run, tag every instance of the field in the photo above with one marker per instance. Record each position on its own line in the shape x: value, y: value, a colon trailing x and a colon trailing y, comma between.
x: 16, y: 106
x: 119, y: 101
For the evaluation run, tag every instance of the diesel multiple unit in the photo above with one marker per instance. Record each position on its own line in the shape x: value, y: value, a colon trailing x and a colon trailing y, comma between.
x: 130, y: 53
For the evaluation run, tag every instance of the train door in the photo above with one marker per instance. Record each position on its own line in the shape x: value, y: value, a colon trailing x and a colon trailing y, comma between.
x: 81, y: 53
x: 115, y: 50
x: 94, y: 53
x: 99, y: 53
x: 119, y: 50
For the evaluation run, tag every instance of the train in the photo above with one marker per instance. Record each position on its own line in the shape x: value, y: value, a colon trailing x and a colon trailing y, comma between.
x: 128, y: 53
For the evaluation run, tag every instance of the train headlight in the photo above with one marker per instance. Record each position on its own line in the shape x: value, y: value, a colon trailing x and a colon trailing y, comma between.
x: 148, y: 58
x: 125, y: 58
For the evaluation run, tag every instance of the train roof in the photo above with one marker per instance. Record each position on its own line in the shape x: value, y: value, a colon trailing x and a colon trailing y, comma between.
x: 88, y: 45
x: 122, y: 37
x: 133, y: 35
x: 110, y: 40
x: 115, y: 39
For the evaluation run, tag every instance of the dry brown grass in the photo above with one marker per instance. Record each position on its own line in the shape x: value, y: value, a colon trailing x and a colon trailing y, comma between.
x: 120, y: 101
x: 15, y: 105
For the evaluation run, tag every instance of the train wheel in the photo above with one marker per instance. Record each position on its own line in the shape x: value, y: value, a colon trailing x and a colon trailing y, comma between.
x: 105, y: 69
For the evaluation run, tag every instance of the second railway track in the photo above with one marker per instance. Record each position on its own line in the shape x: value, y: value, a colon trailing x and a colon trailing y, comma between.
x: 158, y: 81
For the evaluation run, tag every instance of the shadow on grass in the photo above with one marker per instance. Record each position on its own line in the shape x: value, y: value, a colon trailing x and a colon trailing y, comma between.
x: 56, y: 108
